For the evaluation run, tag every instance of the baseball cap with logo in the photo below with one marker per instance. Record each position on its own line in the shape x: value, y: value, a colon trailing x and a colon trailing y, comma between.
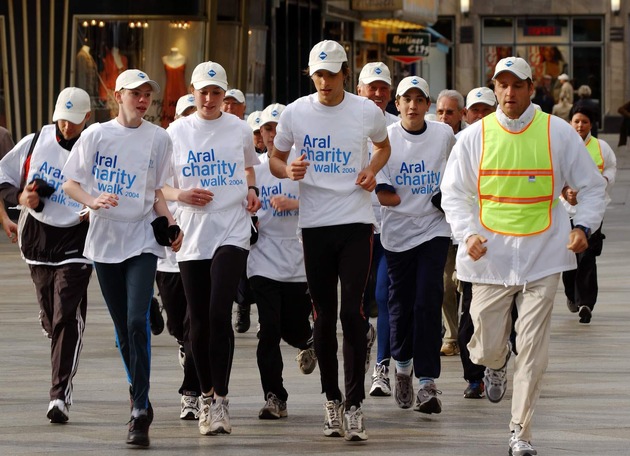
x: 72, y: 105
x: 271, y: 113
x: 209, y: 73
x: 184, y: 102
x: 515, y: 65
x: 326, y: 55
x: 236, y: 94
x: 375, y: 71
x: 253, y: 120
x: 132, y: 79
x: 480, y: 95
x: 412, y: 82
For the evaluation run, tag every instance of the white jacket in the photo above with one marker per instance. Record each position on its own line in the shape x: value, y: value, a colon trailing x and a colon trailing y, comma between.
x: 516, y: 260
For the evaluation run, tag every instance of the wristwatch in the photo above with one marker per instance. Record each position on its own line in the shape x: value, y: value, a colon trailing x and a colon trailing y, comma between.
x: 587, y: 231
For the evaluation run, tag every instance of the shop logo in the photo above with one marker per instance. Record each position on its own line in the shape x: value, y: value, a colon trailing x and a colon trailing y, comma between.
x: 212, y: 73
x: 142, y: 75
x: 323, y: 56
x: 378, y: 71
x: 69, y: 104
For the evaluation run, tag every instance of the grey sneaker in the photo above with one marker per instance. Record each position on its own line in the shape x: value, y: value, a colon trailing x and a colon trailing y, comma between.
x: 371, y: 338
x: 353, y: 424
x: 495, y: 380
x: 220, y: 417
x: 57, y: 411
x: 273, y: 409
x: 427, y: 400
x: 190, y: 407
x: 307, y: 360
x: 573, y: 307
x: 333, y: 420
x: 520, y: 447
x: 380, y: 381
x: 204, y: 415
x: 403, y: 390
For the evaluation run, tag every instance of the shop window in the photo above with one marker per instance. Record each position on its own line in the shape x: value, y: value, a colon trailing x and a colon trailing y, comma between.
x: 588, y: 29
x: 167, y: 51
x: 498, y: 30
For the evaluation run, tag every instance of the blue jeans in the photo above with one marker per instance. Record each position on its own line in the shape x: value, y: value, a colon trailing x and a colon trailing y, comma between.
x: 128, y: 288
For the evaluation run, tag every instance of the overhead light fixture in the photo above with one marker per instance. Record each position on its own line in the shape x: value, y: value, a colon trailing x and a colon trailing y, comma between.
x: 615, y: 6
x: 464, y: 7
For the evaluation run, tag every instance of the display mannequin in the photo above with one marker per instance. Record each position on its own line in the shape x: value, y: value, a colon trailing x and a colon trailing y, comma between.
x: 87, y: 74
x: 175, y: 87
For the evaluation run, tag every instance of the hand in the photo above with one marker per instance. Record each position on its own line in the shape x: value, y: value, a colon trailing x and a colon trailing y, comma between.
x: 475, y: 246
x: 196, y: 196
x: 29, y: 197
x: 283, y: 203
x: 570, y: 195
x: 104, y: 200
x: 10, y: 229
x: 253, y: 203
x: 177, y: 243
x: 366, y: 180
x: 577, y: 241
x: 297, y: 169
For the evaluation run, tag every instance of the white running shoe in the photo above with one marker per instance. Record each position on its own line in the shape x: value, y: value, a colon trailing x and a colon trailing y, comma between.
x: 57, y: 411
x: 353, y: 424
x: 333, y: 420
x: 380, y: 381
x: 190, y: 408
x: 220, y: 417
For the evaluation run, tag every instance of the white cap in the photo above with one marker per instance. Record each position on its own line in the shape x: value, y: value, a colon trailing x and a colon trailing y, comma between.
x: 132, y: 79
x: 253, y: 120
x: 481, y: 95
x: 185, y: 102
x: 236, y: 94
x: 515, y: 65
x: 271, y: 113
x: 563, y: 77
x: 326, y: 55
x: 209, y: 73
x: 375, y: 71
x: 72, y: 105
x: 412, y: 82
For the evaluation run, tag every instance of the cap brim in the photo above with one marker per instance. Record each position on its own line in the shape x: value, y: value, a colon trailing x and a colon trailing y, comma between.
x: 333, y: 67
x: 74, y: 117
x: 201, y: 84
x: 486, y: 102
x: 375, y: 78
x: 426, y: 95
x: 154, y: 85
x: 518, y: 74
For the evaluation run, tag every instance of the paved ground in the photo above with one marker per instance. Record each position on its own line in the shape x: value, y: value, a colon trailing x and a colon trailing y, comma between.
x: 584, y: 409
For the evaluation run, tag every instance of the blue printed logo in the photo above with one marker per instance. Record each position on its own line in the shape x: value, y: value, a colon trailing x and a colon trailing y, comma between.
x: 378, y: 71
x: 414, y: 81
x: 323, y: 56
x: 212, y: 73
x: 69, y: 104
x: 191, y: 99
x: 274, y: 113
x: 478, y: 94
x: 142, y: 75
x: 509, y: 63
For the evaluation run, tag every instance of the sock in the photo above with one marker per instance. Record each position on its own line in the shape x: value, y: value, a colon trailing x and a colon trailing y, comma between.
x: 138, y: 412
x: 426, y: 381
x: 404, y: 367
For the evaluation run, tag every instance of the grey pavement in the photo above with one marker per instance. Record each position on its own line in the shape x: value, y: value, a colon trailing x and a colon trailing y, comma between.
x: 584, y: 408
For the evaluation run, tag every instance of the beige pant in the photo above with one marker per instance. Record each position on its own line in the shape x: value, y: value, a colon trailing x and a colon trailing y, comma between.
x: 450, y: 314
x: 490, y: 313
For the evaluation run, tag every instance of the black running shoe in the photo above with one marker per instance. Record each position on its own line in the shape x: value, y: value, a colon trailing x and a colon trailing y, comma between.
x: 155, y: 318
x: 138, y: 431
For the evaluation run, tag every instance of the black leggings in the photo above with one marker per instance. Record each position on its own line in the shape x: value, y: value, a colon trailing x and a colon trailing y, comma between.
x: 210, y: 287
x: 331, y: 254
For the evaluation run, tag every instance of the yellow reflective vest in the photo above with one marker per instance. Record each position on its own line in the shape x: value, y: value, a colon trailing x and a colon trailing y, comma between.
x: 595, y: 149
x: 516, y: 179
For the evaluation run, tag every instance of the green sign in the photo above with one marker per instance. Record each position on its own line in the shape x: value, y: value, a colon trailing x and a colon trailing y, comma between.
x: 408, y: 44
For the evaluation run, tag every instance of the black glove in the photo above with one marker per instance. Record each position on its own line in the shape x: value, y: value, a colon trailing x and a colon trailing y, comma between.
x: 43, y: 189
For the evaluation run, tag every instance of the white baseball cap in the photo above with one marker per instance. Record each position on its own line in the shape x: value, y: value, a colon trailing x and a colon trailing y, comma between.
x: 72, y: 105
x: 209, y: 73
x: 326, y: 55
x: 412, y: 82
x: 375, y: 71
x: 132, y: 79
x: 481, y: 95
x: 271, y: 113
x: 563, y: 77
x: 253, y: 120
x: 515, y: 65
x: 184, y: 102
x: 236, y: 94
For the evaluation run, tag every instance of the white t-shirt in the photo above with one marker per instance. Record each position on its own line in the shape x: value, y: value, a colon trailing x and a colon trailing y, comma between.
x: 132, y: 163
x: 334, y: 138
x: 47, y: 161
x: 278, y: 254
x: 415, y: 169
x: 213, y: 154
